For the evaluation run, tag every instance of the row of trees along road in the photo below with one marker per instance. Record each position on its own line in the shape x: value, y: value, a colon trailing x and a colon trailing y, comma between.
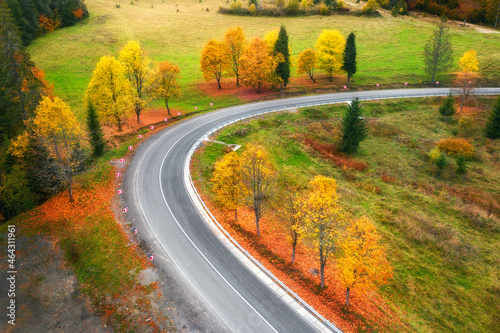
x: 269, y: 61
x: 128, y: 83
x: 314, y: 215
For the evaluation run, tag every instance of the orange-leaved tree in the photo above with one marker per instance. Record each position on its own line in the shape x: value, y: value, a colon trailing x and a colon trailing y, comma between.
x: 58, y: 130
x: 324, y: 221
x: 137, y: 70
x: 164, y: 82
x: 307, y: 63
x: 235, y: 41
x: 258, y: 176
x: 215, y: 60
x: 256, y: 64
x: 226, y: 181
x: 362, y: 263
x: 468, y: 78
x: 110, y: 91
x: 330, y: 47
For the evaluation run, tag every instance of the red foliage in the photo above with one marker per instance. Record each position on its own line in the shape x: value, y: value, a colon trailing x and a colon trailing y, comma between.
x: 47, y: 24
x: 387, y: 179
x: 330, y: 152
x: 78, y: 13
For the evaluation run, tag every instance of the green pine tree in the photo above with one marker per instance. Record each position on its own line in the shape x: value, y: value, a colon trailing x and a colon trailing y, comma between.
x: 95, y: 131
x: 493, y: 122
x: 354, y: 129
x: 349, y: 64
x: 448, y: 108
x: 281, y: 47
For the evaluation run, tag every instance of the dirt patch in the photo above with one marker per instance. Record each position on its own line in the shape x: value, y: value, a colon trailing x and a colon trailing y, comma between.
x: 48, y: 293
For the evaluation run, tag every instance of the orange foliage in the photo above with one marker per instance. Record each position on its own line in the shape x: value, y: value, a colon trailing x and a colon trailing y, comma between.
x: 456, y: 147
x: 331, y: 152
x: 78, y: 13
x: 47, y: 24
x: 48, y: 89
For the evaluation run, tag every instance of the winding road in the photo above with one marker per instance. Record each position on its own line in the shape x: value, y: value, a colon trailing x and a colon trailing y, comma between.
x: 168, y: 219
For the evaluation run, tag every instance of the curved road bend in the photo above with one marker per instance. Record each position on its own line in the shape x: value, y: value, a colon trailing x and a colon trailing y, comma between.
x: 177, y: 233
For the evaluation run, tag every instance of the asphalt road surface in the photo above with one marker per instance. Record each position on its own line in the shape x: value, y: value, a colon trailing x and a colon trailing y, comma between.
x: 178, y: 235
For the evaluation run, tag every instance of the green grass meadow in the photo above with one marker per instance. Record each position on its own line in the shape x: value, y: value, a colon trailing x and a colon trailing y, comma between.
x: 441, y: 232
x: 389, y: 49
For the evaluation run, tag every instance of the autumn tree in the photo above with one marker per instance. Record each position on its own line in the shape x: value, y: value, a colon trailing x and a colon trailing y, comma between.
x: 281, y: 50
x: 58, y: 130
x: 136, y: 70
x: 289, y: 212
x: 215, y: 60
x: 20, y: 90
x: 110, y: 91
x: 354, y: 129
x: 235, y: 42
x: 256, y: 64
x: 493, y: 122
x: 95, y: 130
x: 324, y: 222
x: 307, y: 63
x: 362, y: 263
x: 438, y: 51
x: 258, y: 176
x: 164, y: 82
x: 349, y: 63
x: 468, y: 78
x: 226, y: 181
x: 330, y: 47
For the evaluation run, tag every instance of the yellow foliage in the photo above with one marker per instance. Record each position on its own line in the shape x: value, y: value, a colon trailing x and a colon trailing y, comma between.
x: 164, y: 82
x: 469, y: 63
x: 19, y: 146
x: 434, y: 154
x: 226, y: 181
x: 271, y: 37
x: 456, y: 147
x: 256, y: 64
x: 363, y: 263
x: 235, y: 42
x: 110, y: 91
x: 371, y: 6
x: 215, y: 60
x: 307, y: 62
x: 252, y: 9
x: 330, y: 47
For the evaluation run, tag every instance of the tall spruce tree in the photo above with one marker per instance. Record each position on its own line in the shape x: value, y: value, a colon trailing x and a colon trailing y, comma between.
x: 438, y: 51
x: 350, y: 53
x: 493, y: 122
x: 281, y: 47
x: 95, y: 130
x: 354, y: 129
x: 20, y: 89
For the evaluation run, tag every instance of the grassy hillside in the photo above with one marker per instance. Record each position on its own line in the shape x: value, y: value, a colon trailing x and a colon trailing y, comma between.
x: 389, y: 49
x: 442, y: 231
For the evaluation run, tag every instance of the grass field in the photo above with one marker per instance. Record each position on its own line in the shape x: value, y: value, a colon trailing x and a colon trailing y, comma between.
x: 389, y: 49
x: 442, y: 232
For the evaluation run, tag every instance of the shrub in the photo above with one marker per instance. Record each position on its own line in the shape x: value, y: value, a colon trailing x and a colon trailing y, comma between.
x: 293, y: 7
x: 252, y: 9
x: 370, y: 7
x: 456, y: 147
x: 448, y: 107
x: 466, y: 125
x: 434, y: 154
x: 441, y: 163
x: 461, y: 165
x: 324, y: 10
x: 236, y: 6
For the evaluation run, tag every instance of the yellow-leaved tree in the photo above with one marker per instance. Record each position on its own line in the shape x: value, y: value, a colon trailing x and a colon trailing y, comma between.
x: 226, y: 181
x: 330, y: 47
x: 289, y: 213
x: 215, y: 60
x: 362, y: 263
x: 258, y: 176
x: 307, y: 63
x: 468, y: 78
x: 235, y: 42
x: 257, y: 64
x: 137, y: 70
x: 110, y: 91
x: 164, y: 82
x: 323, y: 220
x: 56, y: 127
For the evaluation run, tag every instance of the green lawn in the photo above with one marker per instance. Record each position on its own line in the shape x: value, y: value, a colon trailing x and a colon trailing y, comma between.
x: 442, y: 232
x: 389, y: 49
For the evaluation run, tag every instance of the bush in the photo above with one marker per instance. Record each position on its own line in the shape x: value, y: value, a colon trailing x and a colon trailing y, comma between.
x: 466, y: 125
x: 324, y: 10
x: 441, y: 163
x: 456, y: 147
x: 461, y: 165
x: 448, y: 107
x: 370, y: 7
x: 293, y: 7
x: 252, y: 9
x: 236, y: 6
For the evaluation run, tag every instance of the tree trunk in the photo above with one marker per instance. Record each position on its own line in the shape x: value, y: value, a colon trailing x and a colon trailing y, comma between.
x: 347, y: 296
x: 218, y: 83
x: 258, y: 88
x: 294, y: 245
x: 312, y: 78
x: 235, y: 214
x: 138, y: 112
x: 257, y: 226
x: 330, y: 78
x: 237, y: 80
x: 70, y: 192
x: 293, y: 253
x: 348, y: 79
x: 498, y: 12
x: 322, y: 266
x: 281, y: 87
x: 166, y: 104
